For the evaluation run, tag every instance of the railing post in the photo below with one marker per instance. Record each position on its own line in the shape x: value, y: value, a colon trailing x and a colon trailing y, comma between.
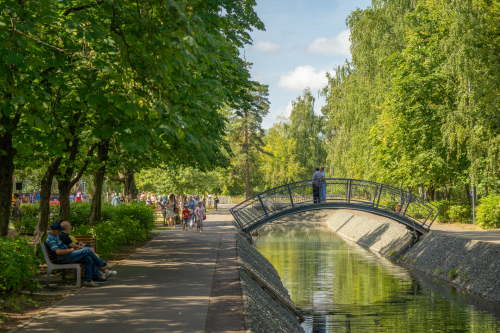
x: 263, y: 207
x: 423, y: 225
x: 409, y: 202
x: 290, y: 194
x: 348, y: 191
x: 380, y: 194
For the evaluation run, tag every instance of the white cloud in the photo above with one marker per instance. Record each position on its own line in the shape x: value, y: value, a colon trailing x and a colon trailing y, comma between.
x: 336, y: 46
x: 302, y: 77
x: 266, y: 47
x: 284, y: 113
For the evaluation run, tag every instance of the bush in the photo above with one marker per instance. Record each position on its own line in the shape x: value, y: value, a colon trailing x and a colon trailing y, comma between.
x: 29, y: 219
x: 488, y: 212
x: 451, y: 211
x: 18, y: 265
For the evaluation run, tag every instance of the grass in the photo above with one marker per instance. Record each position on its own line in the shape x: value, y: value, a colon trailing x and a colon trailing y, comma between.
x: 438, y: 271
x: 452, y: 273
x: 162, y: 228
x: 391, y: 253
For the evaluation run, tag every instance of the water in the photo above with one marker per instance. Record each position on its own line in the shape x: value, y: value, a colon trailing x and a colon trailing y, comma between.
x: 341, y: 287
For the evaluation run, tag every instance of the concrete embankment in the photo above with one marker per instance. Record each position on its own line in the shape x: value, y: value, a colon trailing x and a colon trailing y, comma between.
x: 468, y: 264
x: 268, y: 307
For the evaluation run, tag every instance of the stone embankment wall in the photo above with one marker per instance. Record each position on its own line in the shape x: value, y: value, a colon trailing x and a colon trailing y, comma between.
x: 264, y: 312
x: 468, y: 264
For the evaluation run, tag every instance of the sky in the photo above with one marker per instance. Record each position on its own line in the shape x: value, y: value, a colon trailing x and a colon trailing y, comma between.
x: 303, y: 41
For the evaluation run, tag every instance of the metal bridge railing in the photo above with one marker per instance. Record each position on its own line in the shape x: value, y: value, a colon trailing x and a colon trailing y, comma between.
x: 348, y: 191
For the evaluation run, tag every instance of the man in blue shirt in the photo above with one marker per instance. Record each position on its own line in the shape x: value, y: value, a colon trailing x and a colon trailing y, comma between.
x: 38, y: 196
x: 84, y: 256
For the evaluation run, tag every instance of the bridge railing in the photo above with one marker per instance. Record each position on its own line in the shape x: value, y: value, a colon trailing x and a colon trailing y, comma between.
x: 338, y: 190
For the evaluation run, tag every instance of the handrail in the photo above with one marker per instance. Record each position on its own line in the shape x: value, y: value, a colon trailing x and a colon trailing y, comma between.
x: 340, y: 192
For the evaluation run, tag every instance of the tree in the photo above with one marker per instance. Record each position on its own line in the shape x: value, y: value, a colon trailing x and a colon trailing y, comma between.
x: 306, y: 128
x: 280, y: 164
x: 246, y: 133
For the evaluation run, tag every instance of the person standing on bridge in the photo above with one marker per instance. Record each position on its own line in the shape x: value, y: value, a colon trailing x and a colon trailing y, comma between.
x: 322, y: 189
x: 316, y: 183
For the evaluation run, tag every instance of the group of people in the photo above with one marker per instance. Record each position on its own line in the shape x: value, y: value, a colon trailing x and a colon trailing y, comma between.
x: 69, y: 250
x: 319, y: 184
x: 79, y: 197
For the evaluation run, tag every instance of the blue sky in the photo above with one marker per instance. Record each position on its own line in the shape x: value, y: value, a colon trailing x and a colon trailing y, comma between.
x: 303, y: 40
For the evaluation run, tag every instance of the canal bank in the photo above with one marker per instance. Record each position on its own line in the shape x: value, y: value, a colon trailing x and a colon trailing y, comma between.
x: 467, y: 264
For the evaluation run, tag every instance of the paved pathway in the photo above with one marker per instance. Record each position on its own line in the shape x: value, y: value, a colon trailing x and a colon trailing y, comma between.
x: 165, y: 287
x: 492, y: 236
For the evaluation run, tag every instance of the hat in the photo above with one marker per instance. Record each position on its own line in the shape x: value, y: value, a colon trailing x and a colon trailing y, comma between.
x: 56, y: 226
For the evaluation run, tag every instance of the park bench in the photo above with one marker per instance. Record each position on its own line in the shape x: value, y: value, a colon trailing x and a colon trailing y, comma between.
x: 51, y: 261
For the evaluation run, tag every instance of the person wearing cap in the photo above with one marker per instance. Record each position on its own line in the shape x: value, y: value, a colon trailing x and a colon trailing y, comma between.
x: 92, y: 263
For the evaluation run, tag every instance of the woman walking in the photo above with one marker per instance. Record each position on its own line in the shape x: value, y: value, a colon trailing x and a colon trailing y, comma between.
x: 216, y: 201
x: 16, y: 211
x: 200, y: 215
x: 171, y: 210
x: 322, y: 192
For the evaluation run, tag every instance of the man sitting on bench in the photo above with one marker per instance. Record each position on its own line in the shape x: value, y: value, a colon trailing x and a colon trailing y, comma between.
x: 72, y: 243
x: 84, y: 256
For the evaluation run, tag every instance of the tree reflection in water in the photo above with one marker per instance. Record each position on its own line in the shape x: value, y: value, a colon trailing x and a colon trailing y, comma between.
x: 341, y: 287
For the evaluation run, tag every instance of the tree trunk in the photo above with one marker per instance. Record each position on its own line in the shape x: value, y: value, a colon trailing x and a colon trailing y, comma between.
x: 467, y: 192
x: 95, y: 209
x: 64, y: 187
x: 247, y: 162
x: 45, y: 191
x: 7, y: 154
x: 436, y: 195
x: 129, y: 183
x: 6, y: 174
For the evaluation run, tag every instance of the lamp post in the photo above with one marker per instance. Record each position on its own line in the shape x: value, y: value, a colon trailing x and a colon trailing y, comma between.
x: 317, y: 151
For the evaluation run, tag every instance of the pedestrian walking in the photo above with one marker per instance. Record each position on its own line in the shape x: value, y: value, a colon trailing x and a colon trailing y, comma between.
x: 199, y: 212
x: 192, y: 206
x: 32, y: 198
x: 216, y: 201
x: 316, y: 182
x: 210, y: 199
x: 171, y: 210
x: 322, y: 190
x: 16, y: 210
x: 185, y: 217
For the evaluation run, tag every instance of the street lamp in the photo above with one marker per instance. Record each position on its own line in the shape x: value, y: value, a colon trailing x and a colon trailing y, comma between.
x: 317, y: 151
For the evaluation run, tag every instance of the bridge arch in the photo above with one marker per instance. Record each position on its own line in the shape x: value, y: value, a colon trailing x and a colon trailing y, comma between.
x: 341, y: 193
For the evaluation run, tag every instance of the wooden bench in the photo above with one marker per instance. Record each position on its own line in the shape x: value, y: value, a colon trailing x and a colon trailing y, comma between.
x: 51, y: 261
x: 87, y: 240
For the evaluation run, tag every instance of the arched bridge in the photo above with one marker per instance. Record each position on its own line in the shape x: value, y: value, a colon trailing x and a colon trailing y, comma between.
x: 375, y: 198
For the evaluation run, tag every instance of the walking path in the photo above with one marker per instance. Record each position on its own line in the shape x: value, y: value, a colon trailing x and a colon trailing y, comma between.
x: 491, y: 236
x: 165, y: 287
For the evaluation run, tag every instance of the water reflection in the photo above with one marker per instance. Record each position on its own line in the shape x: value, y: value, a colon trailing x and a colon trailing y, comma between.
x: 341, y: 287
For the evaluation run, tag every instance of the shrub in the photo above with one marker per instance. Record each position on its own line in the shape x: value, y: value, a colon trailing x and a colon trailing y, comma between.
x: 18, y: 265
x: 488, y: 212
x: 451, y: 211
x: 29, y: 219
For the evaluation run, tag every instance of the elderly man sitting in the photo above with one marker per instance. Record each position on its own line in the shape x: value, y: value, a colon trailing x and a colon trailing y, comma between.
x: 72, y: 243
x: 84, y: 256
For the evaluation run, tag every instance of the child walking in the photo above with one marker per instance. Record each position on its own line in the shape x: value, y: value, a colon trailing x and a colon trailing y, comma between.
x: 199, y: 213
x: 185, y: 217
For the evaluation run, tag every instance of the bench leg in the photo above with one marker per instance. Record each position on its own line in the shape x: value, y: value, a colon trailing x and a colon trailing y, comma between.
x: 47, y: 279
x: 78, y: 276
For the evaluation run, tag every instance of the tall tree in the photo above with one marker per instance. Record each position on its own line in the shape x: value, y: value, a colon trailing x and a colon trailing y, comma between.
x: 246, y: 133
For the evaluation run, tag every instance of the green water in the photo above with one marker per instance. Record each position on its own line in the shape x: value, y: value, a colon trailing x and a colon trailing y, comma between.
x: 341, y: 287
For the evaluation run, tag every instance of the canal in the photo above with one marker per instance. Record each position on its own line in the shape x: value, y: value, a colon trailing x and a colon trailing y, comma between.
x: 341, y: 287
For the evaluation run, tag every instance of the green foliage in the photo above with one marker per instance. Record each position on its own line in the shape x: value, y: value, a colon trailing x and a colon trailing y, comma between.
x: 452, y: 273
x: 80, y: 212
x: 438, y: 271
x: 453, y: 212
x: 120, y: 225
x: 392, y: 252
x: 488, y: 212
x: 18, y: 265
x: 29, y: 219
